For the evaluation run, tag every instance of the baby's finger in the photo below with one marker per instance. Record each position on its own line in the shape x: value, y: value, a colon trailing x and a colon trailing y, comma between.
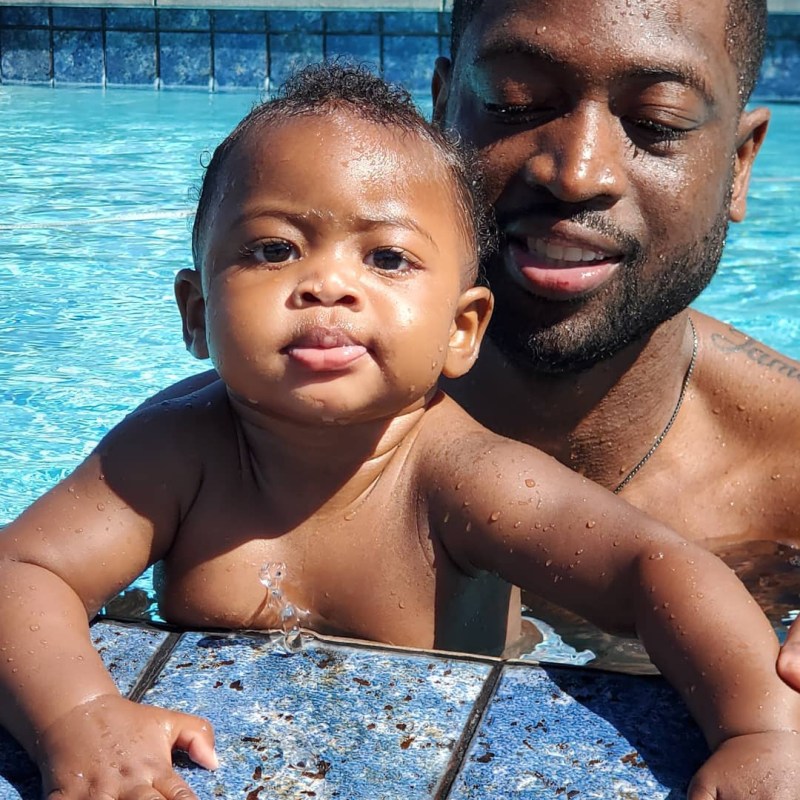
x: 172, y: 787
x: 195, y: 736
x: 789, y: 658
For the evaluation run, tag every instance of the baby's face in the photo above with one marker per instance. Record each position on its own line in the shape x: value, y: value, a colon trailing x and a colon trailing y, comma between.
x: 333, y: 270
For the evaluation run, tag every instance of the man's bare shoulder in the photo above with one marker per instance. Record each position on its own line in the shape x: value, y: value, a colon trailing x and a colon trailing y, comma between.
x: 746, y: 381
x: 751, y: 396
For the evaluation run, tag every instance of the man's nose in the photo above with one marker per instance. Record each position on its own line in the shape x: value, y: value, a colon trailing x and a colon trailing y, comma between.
x: 580, y: 157
x: 329, y: 282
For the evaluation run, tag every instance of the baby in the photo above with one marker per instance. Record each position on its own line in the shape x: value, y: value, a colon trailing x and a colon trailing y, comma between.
x: 336, y: 248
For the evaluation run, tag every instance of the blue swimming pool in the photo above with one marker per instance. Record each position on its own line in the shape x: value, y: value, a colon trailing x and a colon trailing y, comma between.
x: 94, y: 221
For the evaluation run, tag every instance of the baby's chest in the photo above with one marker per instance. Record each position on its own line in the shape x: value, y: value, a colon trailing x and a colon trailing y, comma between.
x: 365, y: 569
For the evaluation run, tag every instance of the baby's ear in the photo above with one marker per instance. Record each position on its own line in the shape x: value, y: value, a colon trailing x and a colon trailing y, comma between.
x: 192, y: 305
x: 466, y: 333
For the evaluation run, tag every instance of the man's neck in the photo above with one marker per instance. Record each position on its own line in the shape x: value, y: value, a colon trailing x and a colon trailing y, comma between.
x: 599, y: 422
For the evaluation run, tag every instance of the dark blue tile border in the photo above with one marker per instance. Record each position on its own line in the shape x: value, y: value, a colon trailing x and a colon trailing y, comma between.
x: 400, y: 44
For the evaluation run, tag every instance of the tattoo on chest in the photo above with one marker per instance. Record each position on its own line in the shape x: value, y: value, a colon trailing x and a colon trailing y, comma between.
x: 752, y: 350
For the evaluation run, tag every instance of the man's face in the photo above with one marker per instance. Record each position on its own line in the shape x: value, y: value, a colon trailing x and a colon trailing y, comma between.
x: 615, y: 153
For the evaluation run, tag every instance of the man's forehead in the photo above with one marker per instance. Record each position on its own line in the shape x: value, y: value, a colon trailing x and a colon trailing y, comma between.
x: 498, y: 19
x: 680, y: 37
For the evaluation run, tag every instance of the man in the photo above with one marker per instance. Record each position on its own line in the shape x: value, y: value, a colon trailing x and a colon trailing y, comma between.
x: 618, y: 147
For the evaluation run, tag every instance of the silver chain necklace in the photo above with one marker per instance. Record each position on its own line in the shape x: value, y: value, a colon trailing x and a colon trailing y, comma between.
x: 661, y: 436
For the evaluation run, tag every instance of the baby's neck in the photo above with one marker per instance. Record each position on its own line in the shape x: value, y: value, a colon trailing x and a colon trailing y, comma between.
x: 328, y: 462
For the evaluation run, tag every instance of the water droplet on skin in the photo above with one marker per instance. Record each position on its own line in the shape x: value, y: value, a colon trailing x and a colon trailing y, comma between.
x: 468, y: 527
x: 494, y: 516
x: 350, y: 515
x: 656, y: 556
x: 401, y: 604
x: 590, y: 523
x: 517, y: 524
x: 530, y: 483
x: 446, y: 518
x: 459, y: 485
x: 34, y: 627
x: 101, y: 507
x: 549, y: 562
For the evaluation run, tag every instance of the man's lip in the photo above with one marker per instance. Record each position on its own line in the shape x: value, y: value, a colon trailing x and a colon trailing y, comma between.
x: 323, y: 349
x: 558, y: 269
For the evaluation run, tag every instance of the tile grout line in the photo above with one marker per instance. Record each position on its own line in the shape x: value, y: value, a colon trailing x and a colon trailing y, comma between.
x: 468, y: 733
x: 154, y: 667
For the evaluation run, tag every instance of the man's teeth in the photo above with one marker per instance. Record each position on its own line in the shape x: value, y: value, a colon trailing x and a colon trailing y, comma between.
x: 558, y: 252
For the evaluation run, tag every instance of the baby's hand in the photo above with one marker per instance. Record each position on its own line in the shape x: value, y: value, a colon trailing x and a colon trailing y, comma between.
x: 112, y: 748
x: 758, y: 766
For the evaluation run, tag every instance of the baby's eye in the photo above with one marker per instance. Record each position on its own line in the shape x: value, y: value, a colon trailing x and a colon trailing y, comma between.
x: 271, y: 251
x: 390, y: 259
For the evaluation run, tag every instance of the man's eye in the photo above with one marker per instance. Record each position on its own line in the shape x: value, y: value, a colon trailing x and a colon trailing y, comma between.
x: 645, y: 132
x: 389, y: 259
x: 516, y: 114
x: 272, y: 251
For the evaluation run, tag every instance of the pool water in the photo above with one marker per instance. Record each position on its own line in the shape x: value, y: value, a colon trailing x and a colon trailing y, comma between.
x: 97, y: 192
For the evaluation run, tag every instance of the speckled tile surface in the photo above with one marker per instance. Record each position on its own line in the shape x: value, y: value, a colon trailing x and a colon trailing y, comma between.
x: 331, y: 721
x: 573, y: 733
x: 340, y: 721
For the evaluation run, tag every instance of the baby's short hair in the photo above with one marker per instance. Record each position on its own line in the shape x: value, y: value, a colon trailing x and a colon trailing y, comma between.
x: 333, y: 86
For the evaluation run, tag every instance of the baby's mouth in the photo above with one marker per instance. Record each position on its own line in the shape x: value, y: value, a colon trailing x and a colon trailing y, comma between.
x: 322, y: 349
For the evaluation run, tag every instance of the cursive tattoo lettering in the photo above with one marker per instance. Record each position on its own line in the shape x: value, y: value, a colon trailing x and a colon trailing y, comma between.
x: 755, y: 352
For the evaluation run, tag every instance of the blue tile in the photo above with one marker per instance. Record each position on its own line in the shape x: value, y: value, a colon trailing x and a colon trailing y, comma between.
x: 25, y: 55
x: 82, y: 18
x: 410, y: 60
x: 444, y: 46
x: 331, y: 721
x: 126, y: 650
x: 573, y: 732
x: 289, y: 52
x: 295, y: 21
x: 185, y: 59
x: 25, y: 16
x: 780, y: 25
x: 363, y: 49
x: 78, y: 57
x: 352, y: 22
x: 395, y: 22
x: 446, y: 23
x: 22, y: 788
x: 240, y: 21
x: 131, y: 19
x: 240, y: 60
x: 178, y: 19
x: 130, y: 58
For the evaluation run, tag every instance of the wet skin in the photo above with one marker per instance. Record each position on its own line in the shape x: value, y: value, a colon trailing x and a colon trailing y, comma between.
x: 612, y: 133
x: 614, y: 129
x: 330, y: 308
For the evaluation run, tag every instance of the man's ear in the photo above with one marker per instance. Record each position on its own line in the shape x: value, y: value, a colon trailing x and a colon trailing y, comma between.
x: 192, y: 305
x: 466, y: 333
x: 749, y: 138
x: 440, y: 88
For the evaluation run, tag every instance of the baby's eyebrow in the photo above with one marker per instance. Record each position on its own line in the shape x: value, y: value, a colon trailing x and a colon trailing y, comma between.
x: 395, y: 221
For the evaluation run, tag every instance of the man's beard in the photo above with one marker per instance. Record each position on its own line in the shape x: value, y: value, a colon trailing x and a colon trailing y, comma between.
x: 554, y: 338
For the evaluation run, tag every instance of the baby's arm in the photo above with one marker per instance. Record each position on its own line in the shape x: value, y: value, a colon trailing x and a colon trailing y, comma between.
x: 504, y: 508
x: 59, y: 562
